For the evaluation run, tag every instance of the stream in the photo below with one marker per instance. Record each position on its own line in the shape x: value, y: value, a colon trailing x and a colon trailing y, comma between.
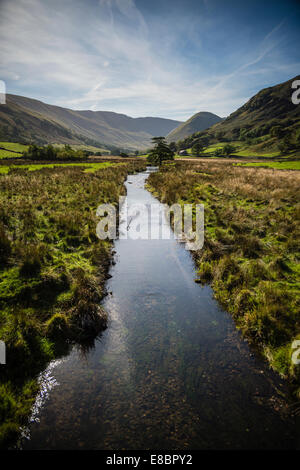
x: 170, y: 372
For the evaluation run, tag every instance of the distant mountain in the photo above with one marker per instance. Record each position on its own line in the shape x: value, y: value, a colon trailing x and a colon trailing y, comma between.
x: 269, y: 107
x: 196, y: 123
x: 26, y: 119
x: 269, y: 122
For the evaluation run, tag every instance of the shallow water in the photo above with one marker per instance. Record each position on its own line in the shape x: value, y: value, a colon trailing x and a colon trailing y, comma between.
x: 170, y: 372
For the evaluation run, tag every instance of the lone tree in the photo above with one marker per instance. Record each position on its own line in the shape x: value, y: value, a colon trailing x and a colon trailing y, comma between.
x: 228, y: 149
x: 197, y: 149
x: 160, y: 152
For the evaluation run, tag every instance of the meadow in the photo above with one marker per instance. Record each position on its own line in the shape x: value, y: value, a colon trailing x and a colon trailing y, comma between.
x: 251, y: 249
x: 243, y: 149
x: 282, y: 165
x: 16, y: 149
x: 90, y: 148
x: 86, y: 167
x: 52, y: 271
x: 12, y: 150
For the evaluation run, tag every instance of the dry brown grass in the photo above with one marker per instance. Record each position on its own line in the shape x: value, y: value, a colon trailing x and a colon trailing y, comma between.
x: 251, y: 249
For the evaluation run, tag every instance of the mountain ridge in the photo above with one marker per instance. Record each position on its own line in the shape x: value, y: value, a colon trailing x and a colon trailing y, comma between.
x: 196, y: 123
x: 271, y: 102
x: 28, y: 119
x: 268, y: 121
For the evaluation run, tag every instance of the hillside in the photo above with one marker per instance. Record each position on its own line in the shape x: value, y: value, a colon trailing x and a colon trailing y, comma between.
x: 196, y: 123
x: 269, y: 104
x: 269, y: 121
x: 26, y: 119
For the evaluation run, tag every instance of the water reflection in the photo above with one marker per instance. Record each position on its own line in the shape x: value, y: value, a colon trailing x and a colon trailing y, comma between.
x: 170, y: 372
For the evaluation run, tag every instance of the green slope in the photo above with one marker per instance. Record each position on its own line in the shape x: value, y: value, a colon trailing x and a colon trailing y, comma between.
x: 271, y: 106
x: 196, y: 123
x: 26, y: 119
x: 269, y: 122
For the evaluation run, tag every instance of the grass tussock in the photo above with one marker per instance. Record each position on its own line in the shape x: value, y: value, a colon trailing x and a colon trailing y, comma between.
x: 251, y: 249
x: 52, y: 273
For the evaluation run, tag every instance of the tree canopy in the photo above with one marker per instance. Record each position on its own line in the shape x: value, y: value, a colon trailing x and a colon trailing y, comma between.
x: 160, y: 152
x: 54, y: 153
x: 197, y: 148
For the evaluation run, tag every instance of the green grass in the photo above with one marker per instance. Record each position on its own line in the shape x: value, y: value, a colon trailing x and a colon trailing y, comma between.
x: 9, y: 149
x: 242, y: 150
x: 14, y: 146
x: 9, y: 154
x: 88, y: 167
x: 251, y: 249
x: 220, y: 145
x: 53, y: 269
x: 86, y: 147
x: 145, y: 155
x: 255, y: 153
x: 290, y: 165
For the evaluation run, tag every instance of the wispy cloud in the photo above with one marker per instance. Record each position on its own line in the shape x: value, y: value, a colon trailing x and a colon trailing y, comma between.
x: 107, y: 55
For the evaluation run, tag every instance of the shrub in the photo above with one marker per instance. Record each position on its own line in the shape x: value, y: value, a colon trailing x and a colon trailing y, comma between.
x: 226, y: 266
x: 244, y: 302
x: 5, y: 245
x: 57, y: 326
x: 205, y: 272
x: 32, y: 261
x: 250, y: 245
x: 281, y: 359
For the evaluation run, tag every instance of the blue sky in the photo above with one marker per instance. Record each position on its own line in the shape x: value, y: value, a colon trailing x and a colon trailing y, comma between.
x: 168, y: 58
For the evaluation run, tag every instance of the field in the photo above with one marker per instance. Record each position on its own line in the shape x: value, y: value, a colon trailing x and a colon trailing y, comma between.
x: 90, y: 148
x: 15, y: 149
x: 288, y: 165
x: 11, y: 149
x: 251, y: 250
x: 241, y: 150
x: 8, y: 154
x: 87, y: 167
x: 52, y: 271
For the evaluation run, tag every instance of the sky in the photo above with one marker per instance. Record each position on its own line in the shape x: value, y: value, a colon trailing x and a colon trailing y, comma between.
x: 166, y: 58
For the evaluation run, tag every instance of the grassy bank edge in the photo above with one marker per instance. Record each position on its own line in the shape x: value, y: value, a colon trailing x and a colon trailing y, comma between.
x: 279, y: 358
x: 76, y: 316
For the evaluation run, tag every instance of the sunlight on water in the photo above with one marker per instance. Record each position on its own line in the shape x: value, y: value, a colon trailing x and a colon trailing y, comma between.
x: 170, y: 372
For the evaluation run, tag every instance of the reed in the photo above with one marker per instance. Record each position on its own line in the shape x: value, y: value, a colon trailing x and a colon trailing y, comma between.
x: 251, y: 253
x: 52, y: 273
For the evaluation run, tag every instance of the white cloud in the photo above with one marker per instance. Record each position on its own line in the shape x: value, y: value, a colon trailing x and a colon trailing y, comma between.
x: 106, y: 57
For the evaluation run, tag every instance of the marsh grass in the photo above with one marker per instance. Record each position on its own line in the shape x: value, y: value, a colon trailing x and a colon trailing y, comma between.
x: 52, y: 273
x: 282, y: 165
x: 251, y: 249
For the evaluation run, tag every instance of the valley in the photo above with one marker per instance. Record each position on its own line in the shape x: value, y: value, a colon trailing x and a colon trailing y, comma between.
x: 147, y: 319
